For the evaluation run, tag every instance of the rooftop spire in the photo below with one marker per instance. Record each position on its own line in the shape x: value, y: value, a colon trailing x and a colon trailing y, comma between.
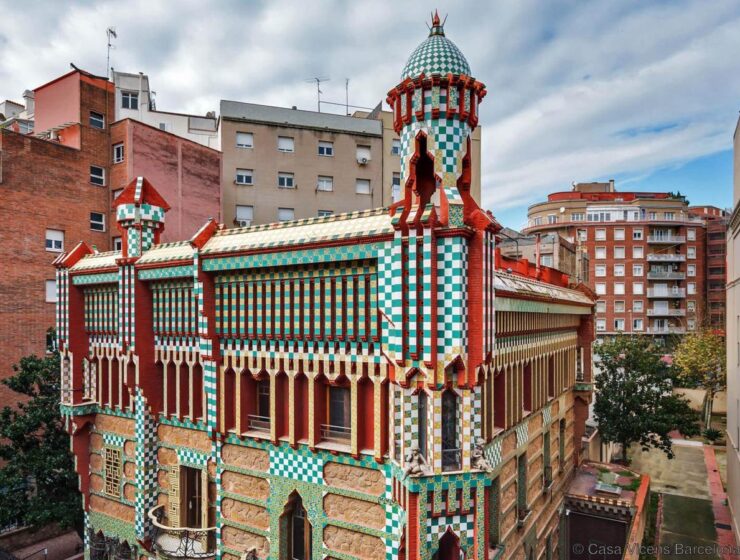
x: 438, y: 27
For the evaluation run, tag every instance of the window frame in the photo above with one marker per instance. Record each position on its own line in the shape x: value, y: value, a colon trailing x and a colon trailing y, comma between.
x: 244, y: 146
x: 48, y: 238
x: 284, y: 150
x: 287, y: 179
x: 243, y: 171
x: 94, y: 116
x: 326, y: 146
x: 94, y: 178
x: 322, y: 181
x: 116, y: 157
x: 280, y: 209
x: 127, y: 97
x: 102, y: 222
x: 369, y: 186
x: 55, y: 297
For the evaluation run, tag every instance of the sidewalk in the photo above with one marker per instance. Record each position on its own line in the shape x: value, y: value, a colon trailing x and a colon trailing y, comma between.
x: 722, y: 518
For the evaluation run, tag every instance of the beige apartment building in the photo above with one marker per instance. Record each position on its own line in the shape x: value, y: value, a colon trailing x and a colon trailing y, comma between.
x: 283, y: 164
x: 733, y: 345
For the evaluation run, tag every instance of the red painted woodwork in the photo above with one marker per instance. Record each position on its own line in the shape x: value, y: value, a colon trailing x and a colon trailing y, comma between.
x: 365, y: 416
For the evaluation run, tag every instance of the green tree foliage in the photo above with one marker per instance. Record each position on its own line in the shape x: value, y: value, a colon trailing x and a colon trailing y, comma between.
x: 38, y: 484
x: 700, y: 361
x: 634, y: 398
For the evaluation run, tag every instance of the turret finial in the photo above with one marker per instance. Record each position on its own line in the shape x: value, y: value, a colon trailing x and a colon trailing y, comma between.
x: 438, y: 26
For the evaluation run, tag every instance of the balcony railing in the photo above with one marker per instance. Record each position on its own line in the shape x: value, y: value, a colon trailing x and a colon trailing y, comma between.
x: 336, y: 434
x: 451, y: 459
x: 259, y: 423
x: 666, y: 312
x: 673, y: 239
x: 656, y: 275
x: 674, y: 293
x: 181, y: 542
x: 665, y: 257
x: 666, y: 330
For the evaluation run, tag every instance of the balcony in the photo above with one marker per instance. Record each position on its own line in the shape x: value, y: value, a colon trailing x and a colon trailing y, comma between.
x: 667, y: 239
x: 336, y: 434
x: 656, y: 275
x: 665, y: 257
x: 259, y: 423
x: 451, y: 459
x: 666, y: 313
x: 672, y: 293
x: 181, y: 542
x: 666, y: 330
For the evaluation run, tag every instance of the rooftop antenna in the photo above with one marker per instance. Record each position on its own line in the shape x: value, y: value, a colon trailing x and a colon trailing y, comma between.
x: 318, y: 88
x: 346, y: 95
x: 111, y: 32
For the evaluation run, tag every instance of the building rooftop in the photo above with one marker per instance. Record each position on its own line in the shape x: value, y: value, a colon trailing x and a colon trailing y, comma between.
x: 608, y: 483
x: 266, y: 114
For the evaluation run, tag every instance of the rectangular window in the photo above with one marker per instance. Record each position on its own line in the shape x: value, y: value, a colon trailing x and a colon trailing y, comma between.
x: 244, y: 140
x: 244, y: 215
x: 619, y: 324
x: 130, y: 100
x: 600, y: 271
x: 326, y: 149
x: 51, y: 291
x: 363, y: 154
x: 638, y: 252
x: 653, y: 216
x: 117, y: 243
x: 668, y: 216
x: 97, y: 175
x: 637, y: 305
x: 285, y: 144
x: 691, y: 324
x: 600, y: 325
x: 600, y: 306
x: 600, y: 235
x: 546, y: 260
x: 325, y: 213
x: 691, y: 287
x: 286, y: 214
x: 396, y: 147
x: 618, y: 252
x: 691, y: 253
x: 583, y: 234
x: 285, y: 181
x: 600, y: 288
x: 54, y: 240
x: 619, y: 306
x: 618, y: 270
x: 97, y: 120
x: 619, y: 234
x: 362, y: 186
x: 637, y: 270
x: 691, y: 234
x: 538, y: 221
x: 552, y: 219
x: 577, y: 216
x: 691, y: 305
x: 691, y: 270
x: 244, y: 177
x: 118, y: 152
x: 638, y: 288
x: 112, y: 464
x: 97, y: 221
x: 619, y: 288
x: 521, y: 486
x: 338, y: 427
x: 637, y: 325
x: 600, y: 253
x: 325, y: 183
x: 637, y: 234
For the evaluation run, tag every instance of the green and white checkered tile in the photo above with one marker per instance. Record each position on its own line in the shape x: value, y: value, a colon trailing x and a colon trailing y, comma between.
x: 145, y: 429
x: 451, y: 298
x: 192, y: 458
x: 522, y: 433
x: 304, y: 468
x: 493, y: 453
x: 477, y: 400
x: 547, y: 415
x: 436, y: 55
x: 113, y: 440
x: 462, y: 525
x: 395, y: 519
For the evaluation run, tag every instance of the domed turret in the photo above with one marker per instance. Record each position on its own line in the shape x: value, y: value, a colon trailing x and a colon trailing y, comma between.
x: 435, y: 109
x: 436, y: 55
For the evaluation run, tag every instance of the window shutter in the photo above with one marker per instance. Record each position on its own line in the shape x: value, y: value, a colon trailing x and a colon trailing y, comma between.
x: 173, y: 498
x: 204, y: 497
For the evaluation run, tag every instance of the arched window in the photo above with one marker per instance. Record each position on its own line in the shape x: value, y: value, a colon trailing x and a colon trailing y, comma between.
x: 297, y: 531
x: 449, y: 547
x: 451, y: 457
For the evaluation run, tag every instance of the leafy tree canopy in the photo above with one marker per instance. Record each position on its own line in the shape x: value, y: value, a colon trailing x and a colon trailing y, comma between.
x: 38, y: 480
x: 700, y: 360
x: 634, y: 398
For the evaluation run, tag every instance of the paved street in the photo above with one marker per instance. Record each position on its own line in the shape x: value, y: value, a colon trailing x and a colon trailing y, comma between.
x: 685, y: 475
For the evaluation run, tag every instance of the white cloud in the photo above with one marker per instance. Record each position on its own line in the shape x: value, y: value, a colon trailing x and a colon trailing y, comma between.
x: 576, y: 90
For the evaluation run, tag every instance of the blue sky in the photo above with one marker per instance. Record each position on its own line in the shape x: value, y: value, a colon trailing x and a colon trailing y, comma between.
x: 645, y: 92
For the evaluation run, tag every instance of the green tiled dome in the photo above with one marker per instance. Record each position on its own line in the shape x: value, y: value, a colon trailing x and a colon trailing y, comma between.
x: 436, y: 55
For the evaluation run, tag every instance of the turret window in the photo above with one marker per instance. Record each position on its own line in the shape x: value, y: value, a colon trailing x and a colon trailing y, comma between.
x: 450, y: 447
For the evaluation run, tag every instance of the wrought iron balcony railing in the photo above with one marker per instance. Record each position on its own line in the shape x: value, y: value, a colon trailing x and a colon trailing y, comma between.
x: 181, y: 542
x: 259, y: 423
x: 336, y: 434
x: 665, y: 257
x: 451, y: 459
x: 672, y: 239
x: 666, y: 312
x: 671, y: 293
x: 660, y: 275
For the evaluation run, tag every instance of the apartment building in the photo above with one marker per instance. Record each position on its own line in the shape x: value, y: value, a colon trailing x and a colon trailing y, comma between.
x: 733, y: 344
x: 716, y: 220
x: 646, y: 252
x: 59, y: 178
x: 136, y: 100
x: 284, y: 164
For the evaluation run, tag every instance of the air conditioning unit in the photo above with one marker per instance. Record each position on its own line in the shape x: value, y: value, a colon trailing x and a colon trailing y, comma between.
x: 245, y: 223
x: 362, y: 161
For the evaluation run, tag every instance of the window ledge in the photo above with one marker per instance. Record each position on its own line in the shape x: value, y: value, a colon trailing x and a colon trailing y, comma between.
x: 257, y: 434
x: 332, y: 446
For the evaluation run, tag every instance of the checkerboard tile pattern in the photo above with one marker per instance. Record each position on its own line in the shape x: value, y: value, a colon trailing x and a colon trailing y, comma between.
x: 493, y: 453
x: 304, y: 468
x: 436, y: 55
x: 522, y: 433
x: 145, y: 429
x: 462, y: 525
x: 451, y: 306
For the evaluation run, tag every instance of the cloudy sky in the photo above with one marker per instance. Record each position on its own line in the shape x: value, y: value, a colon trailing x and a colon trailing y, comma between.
x: 644, y: 92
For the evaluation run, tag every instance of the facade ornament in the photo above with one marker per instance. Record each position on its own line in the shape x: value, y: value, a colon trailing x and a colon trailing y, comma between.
x: 478, y: 459
x: 416, y: 464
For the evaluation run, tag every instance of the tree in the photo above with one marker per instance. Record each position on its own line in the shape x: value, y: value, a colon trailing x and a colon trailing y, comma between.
x: 700, y: 361
x: 634, y: 398
x: 38, y: 481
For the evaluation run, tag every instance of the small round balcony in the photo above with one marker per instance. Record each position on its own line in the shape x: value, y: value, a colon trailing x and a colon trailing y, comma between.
x: 176, y: 543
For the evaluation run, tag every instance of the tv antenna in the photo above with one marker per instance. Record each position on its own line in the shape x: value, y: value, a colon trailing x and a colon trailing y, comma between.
x: 111, y: 32
x: 318, y: 81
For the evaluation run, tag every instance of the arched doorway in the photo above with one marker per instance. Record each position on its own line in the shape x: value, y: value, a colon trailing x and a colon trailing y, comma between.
x: 296, y: 530
x: 449, y: 547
